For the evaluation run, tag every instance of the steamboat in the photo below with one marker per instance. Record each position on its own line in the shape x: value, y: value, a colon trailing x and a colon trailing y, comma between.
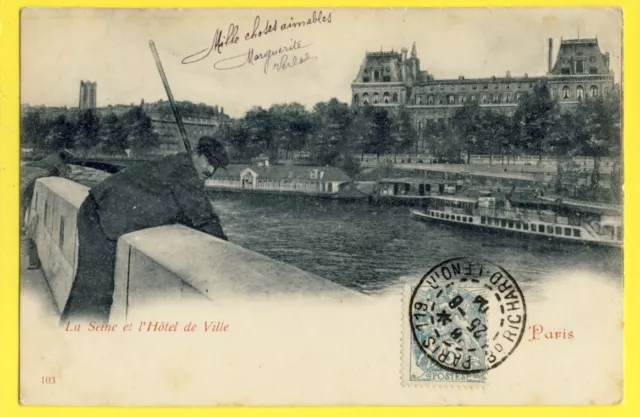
x: 532, y: 216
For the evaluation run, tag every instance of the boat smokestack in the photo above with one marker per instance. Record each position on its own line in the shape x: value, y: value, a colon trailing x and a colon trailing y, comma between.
x: 550, y: 54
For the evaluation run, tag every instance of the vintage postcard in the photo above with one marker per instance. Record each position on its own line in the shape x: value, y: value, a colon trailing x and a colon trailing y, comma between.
x: 321, y: 207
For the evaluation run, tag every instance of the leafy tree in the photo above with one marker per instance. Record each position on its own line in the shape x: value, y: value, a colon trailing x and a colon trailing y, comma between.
x: 33, y: 129
x: 332, y: 121
x: 59, y: 134
x: 598, y: 131
x: 380, y: 142
x: 469, y: 125
x: 536, y: 116
x: 362, y: 129
x: 87, y: 129
x: 113, y: 135
x: 139, y: 129
x: 404, y: 136
x: 351, y: 165
x: 292, y: 124
x: 235, y: 134
x: 260, y: 129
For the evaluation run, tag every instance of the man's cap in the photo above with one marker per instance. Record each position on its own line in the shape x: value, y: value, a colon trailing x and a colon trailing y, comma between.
x: 214, y: 151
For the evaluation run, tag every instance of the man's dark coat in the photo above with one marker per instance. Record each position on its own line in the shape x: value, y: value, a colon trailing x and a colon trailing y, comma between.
x: 151, y: 194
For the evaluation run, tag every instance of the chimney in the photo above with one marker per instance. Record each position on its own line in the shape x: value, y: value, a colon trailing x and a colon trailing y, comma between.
x: 550, y: 54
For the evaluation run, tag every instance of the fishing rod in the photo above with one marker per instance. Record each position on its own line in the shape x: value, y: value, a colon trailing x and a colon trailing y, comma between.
x: 174, y: 108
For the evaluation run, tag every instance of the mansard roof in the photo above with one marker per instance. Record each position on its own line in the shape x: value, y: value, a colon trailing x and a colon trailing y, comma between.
x: 387, y: 63
x: 587, y: 51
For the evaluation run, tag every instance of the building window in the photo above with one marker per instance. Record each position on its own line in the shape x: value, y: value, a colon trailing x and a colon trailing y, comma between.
x: 580, y: 66
x: 484, y: 98
x: 452, y: 99
x: 541, y: 228
x: 475, y: 87
x: 395, y: 97
x: 576, y: 232
x: 567, y: 231
x: 462, y: 98
x: 518, y: 225
x: 473, y: 98
x: 579, y: 92
x: 510, y: 225
x: 356, y: 99
x: 507, y: 98
x: 525, y: 226
x: 330, y: 187
x: 376, y: 76
x: 496, y: 98
x: 550, y: 229
x: 430, y: 100
x: 593, y: 70
x: 553, y: 93
x: 483, y: 220
x: 485, y: 86
x: 566, y: 93
x: 558, y: 230
x: 419, y: 100
x: 593, y: 91
x: 385, y: 98
x: 376, y: 98
x: 365, y: 98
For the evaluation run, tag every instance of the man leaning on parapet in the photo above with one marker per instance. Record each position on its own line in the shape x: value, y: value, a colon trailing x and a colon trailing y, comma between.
x: 155, y: 193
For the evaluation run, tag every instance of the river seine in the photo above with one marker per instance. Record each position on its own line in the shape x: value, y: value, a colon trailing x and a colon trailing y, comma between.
x: 373, y: 248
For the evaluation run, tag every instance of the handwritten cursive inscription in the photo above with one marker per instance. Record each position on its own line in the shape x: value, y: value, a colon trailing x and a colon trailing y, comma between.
x: 221, y: 40
x: 285, y: 58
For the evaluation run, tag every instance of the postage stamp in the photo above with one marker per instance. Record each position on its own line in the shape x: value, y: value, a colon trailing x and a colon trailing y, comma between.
x: 466, y: 316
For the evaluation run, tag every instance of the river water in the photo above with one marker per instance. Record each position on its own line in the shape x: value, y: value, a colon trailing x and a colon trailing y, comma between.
x: 375, y: 248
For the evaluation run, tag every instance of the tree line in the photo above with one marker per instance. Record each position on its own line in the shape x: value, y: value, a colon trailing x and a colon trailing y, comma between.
x: 334, y: 133
x: 88, y: 130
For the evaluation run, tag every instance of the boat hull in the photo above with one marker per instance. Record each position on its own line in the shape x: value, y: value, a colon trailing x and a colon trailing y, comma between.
x: 477, y: 226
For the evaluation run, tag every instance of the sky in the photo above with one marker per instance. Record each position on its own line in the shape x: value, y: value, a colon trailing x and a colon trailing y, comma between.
x: 61, y: 47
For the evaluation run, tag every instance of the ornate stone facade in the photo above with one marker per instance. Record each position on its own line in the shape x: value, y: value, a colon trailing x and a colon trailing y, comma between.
x: 391, y: 79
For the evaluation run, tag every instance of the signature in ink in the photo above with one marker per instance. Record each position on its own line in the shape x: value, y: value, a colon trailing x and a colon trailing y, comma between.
x: 219, y: 41
x: 280, y: 54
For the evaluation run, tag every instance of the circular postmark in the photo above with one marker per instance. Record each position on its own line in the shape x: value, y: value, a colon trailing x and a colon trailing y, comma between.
x: 468, y: 315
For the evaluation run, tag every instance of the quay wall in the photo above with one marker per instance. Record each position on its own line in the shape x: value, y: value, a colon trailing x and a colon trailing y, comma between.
x: 164, y: 264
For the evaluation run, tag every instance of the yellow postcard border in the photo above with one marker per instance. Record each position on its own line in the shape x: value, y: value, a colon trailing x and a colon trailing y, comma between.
x: 9, y: 164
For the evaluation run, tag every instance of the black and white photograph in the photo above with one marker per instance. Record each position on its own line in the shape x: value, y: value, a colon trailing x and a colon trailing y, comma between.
x: 321, y: 206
